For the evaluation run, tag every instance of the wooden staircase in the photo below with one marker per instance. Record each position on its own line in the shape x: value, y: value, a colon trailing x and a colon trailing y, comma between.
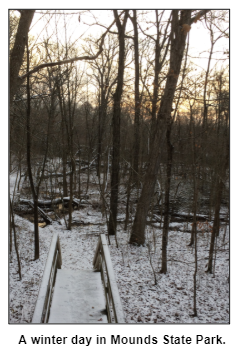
x: 82, y: 296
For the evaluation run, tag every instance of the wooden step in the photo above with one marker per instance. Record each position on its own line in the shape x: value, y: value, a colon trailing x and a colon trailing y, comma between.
x: 78, y: 298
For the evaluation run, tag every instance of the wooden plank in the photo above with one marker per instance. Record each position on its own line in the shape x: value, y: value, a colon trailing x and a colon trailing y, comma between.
x: 112, y: 282
x: 44, y: 288
x: 78, y: 298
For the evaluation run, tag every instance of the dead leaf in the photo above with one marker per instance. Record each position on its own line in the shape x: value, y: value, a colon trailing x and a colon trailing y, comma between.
x: 185, y: 28
x: 197, y: 17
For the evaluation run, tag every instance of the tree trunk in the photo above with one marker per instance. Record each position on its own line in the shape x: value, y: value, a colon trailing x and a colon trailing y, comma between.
x: 15, y: 242
x: 116, y: 126
x: 63, y: 144
x: 195, y: 275
x: 178, y: 40
x: 129, y: 186
x: 166, y: 203
x: 29, y: 167
x: 194, y: 224
x: 102, y: 111
x: 136, y: 144
x: 34, y: 189
x: 205, y: 108
x: 36, y: 229
x: 10, y: 235
x: 219, y: 188
x: 17, y: 52
x: 215, y: 228
x: 64, y: 161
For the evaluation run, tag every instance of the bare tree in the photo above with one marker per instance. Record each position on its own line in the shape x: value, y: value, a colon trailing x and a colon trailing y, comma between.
x: 34, y: 188
x: 116, y: 124
x: 137, y: 102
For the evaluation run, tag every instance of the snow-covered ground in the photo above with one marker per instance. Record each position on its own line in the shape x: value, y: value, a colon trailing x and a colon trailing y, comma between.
x: 169, y: 301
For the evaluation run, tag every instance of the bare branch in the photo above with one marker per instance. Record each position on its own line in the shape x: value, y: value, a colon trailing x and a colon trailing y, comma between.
x: 198, y: 16
x: 62, y: 62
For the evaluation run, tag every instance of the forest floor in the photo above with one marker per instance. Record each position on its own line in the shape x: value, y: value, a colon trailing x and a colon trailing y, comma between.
x: 147, y: 296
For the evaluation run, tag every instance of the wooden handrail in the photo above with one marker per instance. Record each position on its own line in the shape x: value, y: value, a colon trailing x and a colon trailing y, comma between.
x: 54, y: 262
x: 102, y: 262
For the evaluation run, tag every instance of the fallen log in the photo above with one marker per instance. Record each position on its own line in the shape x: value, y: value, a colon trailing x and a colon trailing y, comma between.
x: 42, y: 203
x: 44, y: 216
x: 49, y: 203
x: 185, y: 217
x: 75, y: 202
